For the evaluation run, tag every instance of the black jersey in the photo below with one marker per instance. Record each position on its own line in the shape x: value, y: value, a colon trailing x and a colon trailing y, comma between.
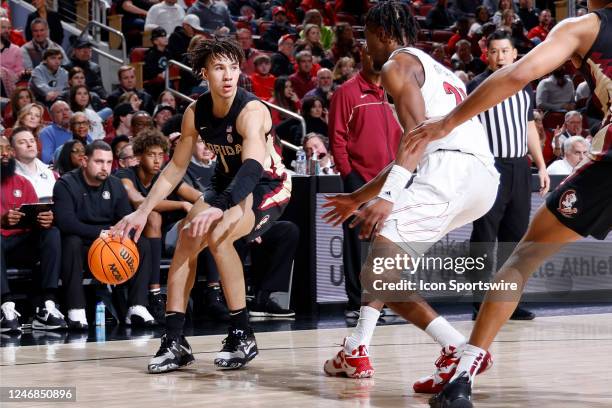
x: 222, y: 137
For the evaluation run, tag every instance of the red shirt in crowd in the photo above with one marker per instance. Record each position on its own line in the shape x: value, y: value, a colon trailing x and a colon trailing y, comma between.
x: 302, y: 83
x: 538, y: 31
x: 15, y: 190
x: 364, y: 134
x: 263, y: 86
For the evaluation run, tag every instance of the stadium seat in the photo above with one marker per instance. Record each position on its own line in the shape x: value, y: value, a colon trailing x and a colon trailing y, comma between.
x: 553, y: 119
x: 137, y: 61
x: 441, y: 36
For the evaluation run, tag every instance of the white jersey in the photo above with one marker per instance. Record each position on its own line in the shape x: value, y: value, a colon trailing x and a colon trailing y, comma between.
x: 442, y: 91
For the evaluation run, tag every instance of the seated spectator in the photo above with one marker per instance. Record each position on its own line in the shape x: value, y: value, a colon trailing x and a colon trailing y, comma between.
x: 280, y: 28
x: 508, y: 19
x: 282, y: 60
x: 316, y: 144
x: 155, y: 62
x: 20, y: 97
x: 556, y: 92
x: 134, y: 13
x: 141, y: 120
x: 572, y: 126
x: 8, y: 81
x: 343, y: 71
x: 80, y: 102
x: 302, y: 81
x: 151, y: 147
x: 49, y: 78
x: 26, y: 246
x: 325, y: 87
x: 165, y: 14
x: 325, y: 10
x: 181, y: 37
x: 540, y: 32
x: 122, y: 119
x: 88, y: 201
x: 80, y: 128
x: 56, y: 31
x: 326, y: 35
x: 117, y: 144
x: 465, y: 8
x: 126, y: 157
x: 439, y: 18
x: 272, y: 256
x: 81, y: 57
x: 214, y: 17
x: 162, y: 114
x: 201, y: 167
x: 57, y: 133
x: 482, y: 17
x: 263, y: 81
x: 70, y: 157
x: 345, y: 44
x: 527, y: 14
x: 127, y: 83
x: 31, y: 117
x: 29, y: 166
x: 245, y: 39
x: 133, y: 99
x: 285, y: 97
x: 315, y: 115
x: 438, y: 53
x: 76, y: 77
x: 32, y: 51
x: 462, y: 28
x: 503, y: 6
x: 521, y: 42
x: 464, y: 60
x: 167, y: 98
x: 575, y: 150
x: 11, y: 57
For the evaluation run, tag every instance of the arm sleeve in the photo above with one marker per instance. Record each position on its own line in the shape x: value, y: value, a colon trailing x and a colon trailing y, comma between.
x: 48, y: 147
x: 27, y: 61
x: 65, y: 216
x: 241, y: 186
x: 339, y: 112
x: 38, y: 84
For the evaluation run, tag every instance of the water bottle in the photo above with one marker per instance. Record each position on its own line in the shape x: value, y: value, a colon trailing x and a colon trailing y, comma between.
x: 314, y: 165
x: 100, y: 314
x: 300, y: 162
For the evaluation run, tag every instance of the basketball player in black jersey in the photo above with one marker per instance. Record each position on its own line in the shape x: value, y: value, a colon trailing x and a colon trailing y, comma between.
x: 249, y: 190
x: 580, y: 206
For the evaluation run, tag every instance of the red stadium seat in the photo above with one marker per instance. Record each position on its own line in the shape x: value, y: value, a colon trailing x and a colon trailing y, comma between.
x: 553, y: 119
x: 347, y: 18
x: 424, y: 35
x: 441, y: 36
x: 424, y: 9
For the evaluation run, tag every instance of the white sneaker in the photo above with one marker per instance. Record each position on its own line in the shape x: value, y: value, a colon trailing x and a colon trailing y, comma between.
x: 9, y: 321
x: 48, y: 317
x: 138, y: 315
x: 77, y: 319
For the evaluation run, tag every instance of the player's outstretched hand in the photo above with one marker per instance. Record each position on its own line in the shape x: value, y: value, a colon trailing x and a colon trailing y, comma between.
x: 426, y: 132
x: 372, y: 218
x: 135, y: 221
x: 200, y: 224
x: 342, y: 207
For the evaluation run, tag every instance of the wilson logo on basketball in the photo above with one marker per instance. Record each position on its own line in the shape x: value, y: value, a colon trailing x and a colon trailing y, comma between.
x: 127, y: 258
x: 566, y: 204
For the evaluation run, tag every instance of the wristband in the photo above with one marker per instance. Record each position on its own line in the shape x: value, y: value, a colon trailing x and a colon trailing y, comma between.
x: 396, y: 181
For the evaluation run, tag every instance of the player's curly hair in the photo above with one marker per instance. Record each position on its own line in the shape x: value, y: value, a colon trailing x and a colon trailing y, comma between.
x: 147, y: 138
x: 396, y: 20
x: 207, y: 49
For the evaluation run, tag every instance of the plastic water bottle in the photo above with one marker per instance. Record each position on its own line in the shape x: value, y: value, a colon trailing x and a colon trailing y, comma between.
x: 300, y: 162
x: 100, y: 314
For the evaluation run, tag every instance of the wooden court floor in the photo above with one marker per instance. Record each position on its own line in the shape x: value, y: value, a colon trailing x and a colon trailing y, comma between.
x: 549, y: 362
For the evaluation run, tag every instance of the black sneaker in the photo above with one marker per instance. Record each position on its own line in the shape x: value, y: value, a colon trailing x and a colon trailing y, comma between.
x: 9, y: 318
x: 456, y: 394
x: 239, y: 347
x: 173, y: 354
x: 522, y: 314
x: 215, y: 304
x: 270, y: 309
x: 157, y: 307
x: 48, y: 317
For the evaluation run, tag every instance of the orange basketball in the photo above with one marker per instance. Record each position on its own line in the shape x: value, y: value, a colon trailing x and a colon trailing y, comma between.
x: 112, y: 261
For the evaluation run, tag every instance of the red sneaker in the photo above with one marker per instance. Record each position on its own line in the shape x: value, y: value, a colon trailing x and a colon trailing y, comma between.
x: 446, y: 365
x: 355, y: 365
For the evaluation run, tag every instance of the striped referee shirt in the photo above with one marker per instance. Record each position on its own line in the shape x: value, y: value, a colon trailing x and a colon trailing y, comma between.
x: 506, y: 123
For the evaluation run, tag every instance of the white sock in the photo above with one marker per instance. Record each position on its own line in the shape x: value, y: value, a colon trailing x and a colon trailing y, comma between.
x: 471, y: 359
x: 362, y: 334
x: 441, y: 331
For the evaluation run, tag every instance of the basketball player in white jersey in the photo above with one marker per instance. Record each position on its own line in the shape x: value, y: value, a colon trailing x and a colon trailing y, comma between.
x: 456, y: 183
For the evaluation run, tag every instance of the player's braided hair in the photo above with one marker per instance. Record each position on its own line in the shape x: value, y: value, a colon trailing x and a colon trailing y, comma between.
x: 214, y: 48
x: 395, y: 19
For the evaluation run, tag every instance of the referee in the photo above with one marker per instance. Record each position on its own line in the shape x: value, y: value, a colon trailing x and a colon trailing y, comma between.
x: 511, y: 132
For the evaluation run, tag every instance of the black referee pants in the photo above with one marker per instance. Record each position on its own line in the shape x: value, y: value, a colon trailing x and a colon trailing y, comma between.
x: 506, y: 222
x: 74, y: 251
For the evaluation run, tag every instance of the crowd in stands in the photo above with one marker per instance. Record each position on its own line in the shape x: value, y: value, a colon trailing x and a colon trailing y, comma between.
x: 64, y: 131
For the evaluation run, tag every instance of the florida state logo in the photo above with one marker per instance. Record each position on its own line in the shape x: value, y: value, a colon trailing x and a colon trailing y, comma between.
x: 566, y: 204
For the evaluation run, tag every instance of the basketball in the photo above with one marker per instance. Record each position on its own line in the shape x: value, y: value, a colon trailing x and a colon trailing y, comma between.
x: 112, y: 261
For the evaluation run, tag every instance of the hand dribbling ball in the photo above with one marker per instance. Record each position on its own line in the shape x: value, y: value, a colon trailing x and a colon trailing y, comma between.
x: 112, y: 260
